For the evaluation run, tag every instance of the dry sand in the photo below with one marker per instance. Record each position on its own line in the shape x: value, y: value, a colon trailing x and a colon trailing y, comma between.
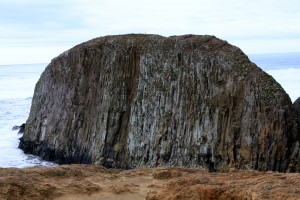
x: 91, y: 182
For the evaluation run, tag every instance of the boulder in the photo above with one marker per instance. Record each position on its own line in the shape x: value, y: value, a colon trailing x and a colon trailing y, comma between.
x: 21, y: 128
x: 296, y: 105
x: 139, y: 100
x: 294, y: 164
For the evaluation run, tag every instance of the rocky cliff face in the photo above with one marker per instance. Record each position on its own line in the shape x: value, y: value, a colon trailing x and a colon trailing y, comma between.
x: 147, y: 100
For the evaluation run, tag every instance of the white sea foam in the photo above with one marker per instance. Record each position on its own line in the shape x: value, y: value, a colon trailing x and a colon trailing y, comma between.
x: 289, y: 79
x: 285, y: 69
x: 16, y: 89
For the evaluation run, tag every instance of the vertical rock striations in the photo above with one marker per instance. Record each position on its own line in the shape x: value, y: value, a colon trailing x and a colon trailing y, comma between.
x: 294, y: 163
x: 147, y: 100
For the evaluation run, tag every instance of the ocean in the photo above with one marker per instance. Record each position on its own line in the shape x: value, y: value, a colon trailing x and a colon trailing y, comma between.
x: 285, y: 69
x: 17, y: 84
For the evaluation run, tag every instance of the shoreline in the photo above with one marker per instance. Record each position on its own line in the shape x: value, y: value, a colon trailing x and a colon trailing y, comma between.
x: 93, y: 182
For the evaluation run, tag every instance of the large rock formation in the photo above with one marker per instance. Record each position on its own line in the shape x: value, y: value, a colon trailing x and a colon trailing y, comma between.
x: 294, y: 165
x: 147, y: 100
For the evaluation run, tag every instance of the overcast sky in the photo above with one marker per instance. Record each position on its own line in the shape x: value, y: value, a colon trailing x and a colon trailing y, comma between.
x: 35, y: 31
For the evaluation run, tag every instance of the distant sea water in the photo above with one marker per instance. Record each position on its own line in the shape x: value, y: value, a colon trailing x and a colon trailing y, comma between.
x: 17, y: 84
x: 285, y: 69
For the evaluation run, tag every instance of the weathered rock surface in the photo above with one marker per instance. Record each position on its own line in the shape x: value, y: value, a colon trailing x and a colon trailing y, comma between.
x: 296, y: 105
x: 147, y: 100
x: 295, y: 161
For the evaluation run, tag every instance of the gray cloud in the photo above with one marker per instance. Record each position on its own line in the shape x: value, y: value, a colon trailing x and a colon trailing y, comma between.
x: 50, y: 26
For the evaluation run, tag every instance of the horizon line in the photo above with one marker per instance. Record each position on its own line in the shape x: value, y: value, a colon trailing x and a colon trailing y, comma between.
x: 250, y: 54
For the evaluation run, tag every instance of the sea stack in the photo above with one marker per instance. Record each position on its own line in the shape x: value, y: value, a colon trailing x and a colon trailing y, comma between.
x: 138, y: 100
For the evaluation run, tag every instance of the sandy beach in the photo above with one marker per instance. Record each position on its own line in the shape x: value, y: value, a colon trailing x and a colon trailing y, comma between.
x: 93, y: 182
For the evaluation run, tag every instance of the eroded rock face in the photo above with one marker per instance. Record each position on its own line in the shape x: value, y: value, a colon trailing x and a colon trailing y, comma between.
x: 296, y: 105
x: 147, y: 100
x: 294, y: 165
